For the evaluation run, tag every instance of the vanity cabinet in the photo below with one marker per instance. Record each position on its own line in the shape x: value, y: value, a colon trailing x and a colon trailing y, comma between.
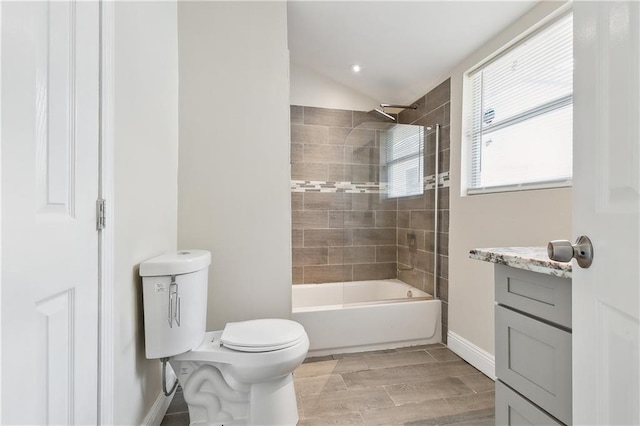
x: 533, y: 347
x: 532, y: 336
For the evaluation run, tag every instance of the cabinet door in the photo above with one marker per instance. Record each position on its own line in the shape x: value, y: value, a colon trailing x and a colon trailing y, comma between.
x: 514, y: 410
x: 540, y: 295
x: 534, y: 358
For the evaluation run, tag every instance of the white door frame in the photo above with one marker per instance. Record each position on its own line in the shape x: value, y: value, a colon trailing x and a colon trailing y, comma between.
x: 106, y: 237
x: 1, y: 214
x: 106, y: 385
x: 106, y: 371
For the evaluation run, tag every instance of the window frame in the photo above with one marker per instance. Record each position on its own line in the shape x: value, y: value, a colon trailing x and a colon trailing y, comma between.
x: 467, y: 130
x: 390, y: 164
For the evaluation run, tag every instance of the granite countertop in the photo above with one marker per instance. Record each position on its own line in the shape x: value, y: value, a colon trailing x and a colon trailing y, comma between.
x: 528, y: 258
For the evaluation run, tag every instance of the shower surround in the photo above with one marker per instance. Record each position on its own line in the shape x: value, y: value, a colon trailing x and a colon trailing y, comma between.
x: 342, y: 229
x: 416, y: 214
x: 346, y: 232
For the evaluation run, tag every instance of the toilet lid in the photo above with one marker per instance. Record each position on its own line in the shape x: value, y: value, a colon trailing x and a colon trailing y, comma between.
x: 261, y: 335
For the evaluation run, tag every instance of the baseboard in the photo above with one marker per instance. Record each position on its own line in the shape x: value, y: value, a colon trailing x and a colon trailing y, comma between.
x: 479, y: 358
x: 159, y: 409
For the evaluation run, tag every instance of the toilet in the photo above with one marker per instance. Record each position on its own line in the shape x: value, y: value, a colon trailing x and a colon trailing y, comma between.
x: 241, y: 375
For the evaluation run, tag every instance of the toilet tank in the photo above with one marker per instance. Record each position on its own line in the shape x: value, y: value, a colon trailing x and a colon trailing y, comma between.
x: 174, y: 291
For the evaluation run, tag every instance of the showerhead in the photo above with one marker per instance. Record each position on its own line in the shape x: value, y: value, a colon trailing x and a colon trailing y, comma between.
x: 414, y: 106
x: 385, y: 115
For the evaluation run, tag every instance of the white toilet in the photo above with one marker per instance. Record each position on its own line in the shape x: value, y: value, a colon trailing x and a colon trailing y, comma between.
x: 241, y: 375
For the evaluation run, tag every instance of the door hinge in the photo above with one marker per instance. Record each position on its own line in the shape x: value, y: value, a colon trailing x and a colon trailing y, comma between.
x: 101, y: 214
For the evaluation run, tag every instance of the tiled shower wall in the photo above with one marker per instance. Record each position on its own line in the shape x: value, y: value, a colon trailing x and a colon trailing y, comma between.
x: 416, y: 214
x: 342, y: 229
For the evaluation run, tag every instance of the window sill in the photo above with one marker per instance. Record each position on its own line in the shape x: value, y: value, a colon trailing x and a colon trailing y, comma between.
x: 520, y: 187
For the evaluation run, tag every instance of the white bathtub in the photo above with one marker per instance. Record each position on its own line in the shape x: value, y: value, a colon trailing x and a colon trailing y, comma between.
x: 365, y: 315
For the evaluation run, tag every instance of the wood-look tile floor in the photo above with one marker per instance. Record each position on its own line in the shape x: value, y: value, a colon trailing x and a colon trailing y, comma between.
x: 420, y: 385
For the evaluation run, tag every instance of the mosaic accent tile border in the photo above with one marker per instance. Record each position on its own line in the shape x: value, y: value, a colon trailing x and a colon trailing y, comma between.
x: 360, y: 187
x: 443, y: 181
x: 346, y: 187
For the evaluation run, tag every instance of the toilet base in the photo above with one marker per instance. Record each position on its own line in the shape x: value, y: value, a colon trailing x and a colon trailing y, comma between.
x: 214, y: 397
x: 274, y: 403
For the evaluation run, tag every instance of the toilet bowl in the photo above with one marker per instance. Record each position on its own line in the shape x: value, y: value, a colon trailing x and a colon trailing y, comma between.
x: 239, y: 375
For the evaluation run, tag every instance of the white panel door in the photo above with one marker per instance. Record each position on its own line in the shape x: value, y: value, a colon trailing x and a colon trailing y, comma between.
x: 49, y: 135
x: 606, y: 205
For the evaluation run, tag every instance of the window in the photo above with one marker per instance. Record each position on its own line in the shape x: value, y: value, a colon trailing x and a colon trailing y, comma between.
x: 404, y: 160
x: 521, y: 114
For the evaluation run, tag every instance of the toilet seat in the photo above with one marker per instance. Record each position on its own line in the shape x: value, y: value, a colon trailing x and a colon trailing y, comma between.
x: 263, y: 335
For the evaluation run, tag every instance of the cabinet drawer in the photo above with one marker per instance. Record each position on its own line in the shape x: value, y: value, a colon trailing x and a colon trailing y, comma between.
x: 513, y: 409
x: 534, y: 358
x: 543, y: 296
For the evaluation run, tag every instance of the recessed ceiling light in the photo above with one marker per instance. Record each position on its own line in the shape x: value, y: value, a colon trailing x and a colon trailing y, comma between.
x: 355, y: 68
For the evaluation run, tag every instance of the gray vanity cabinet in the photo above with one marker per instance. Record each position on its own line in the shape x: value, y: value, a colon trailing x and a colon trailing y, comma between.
x: 533, y: 347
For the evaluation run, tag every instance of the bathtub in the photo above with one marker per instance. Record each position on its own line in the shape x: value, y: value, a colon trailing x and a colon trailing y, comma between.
x: 365, y: 315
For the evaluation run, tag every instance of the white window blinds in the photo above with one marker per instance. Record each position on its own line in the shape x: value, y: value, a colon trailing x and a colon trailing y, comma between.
x: 404, y: 160
x: 520, y: 121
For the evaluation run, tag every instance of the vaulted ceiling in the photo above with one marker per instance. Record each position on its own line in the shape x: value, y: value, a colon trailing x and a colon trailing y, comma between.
x: 403, y: 48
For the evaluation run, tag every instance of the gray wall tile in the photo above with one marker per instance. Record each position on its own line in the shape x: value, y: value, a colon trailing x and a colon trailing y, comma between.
x: 378, y: 236
x: 428, y: 283
x: 374, y: 271
x: 351, y: 219
x: 404, y: 257
x: 439, y: 96
x: 373, y: 202
x: 447, y: 114
x: 304, y: 133
x: 443, y: 243
x: 403, y: 219
x: 403, y: 236
x: 327, y: 237
x: 425, y: 261
x: 386, y: 218
x: 338, y: 135
x: 430, y: 165
x: 444, y: 165
x: 350, y: 255
x: 297, y: 153
x: 443, y: 221
x: 324, y: 154
x: 443, y: 266
x: 408, y: 116
x: 310, y: 256
x: 360, y: 117
x: 296, y: 114
x: 328, y: 117
x: 327, y: 274
x: 327, y: 201
x: 416, y: 202
x: 445, y: 138
x: 443, y: 289
x: 365, y: 155
x: 306, y: 219
x: 385, y: 254
x: 443, y: 198
x: 361, y: 137
x: 296, y: 201
x: 422, y: 219
x: 308, y: 171
x: 353, y: 173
